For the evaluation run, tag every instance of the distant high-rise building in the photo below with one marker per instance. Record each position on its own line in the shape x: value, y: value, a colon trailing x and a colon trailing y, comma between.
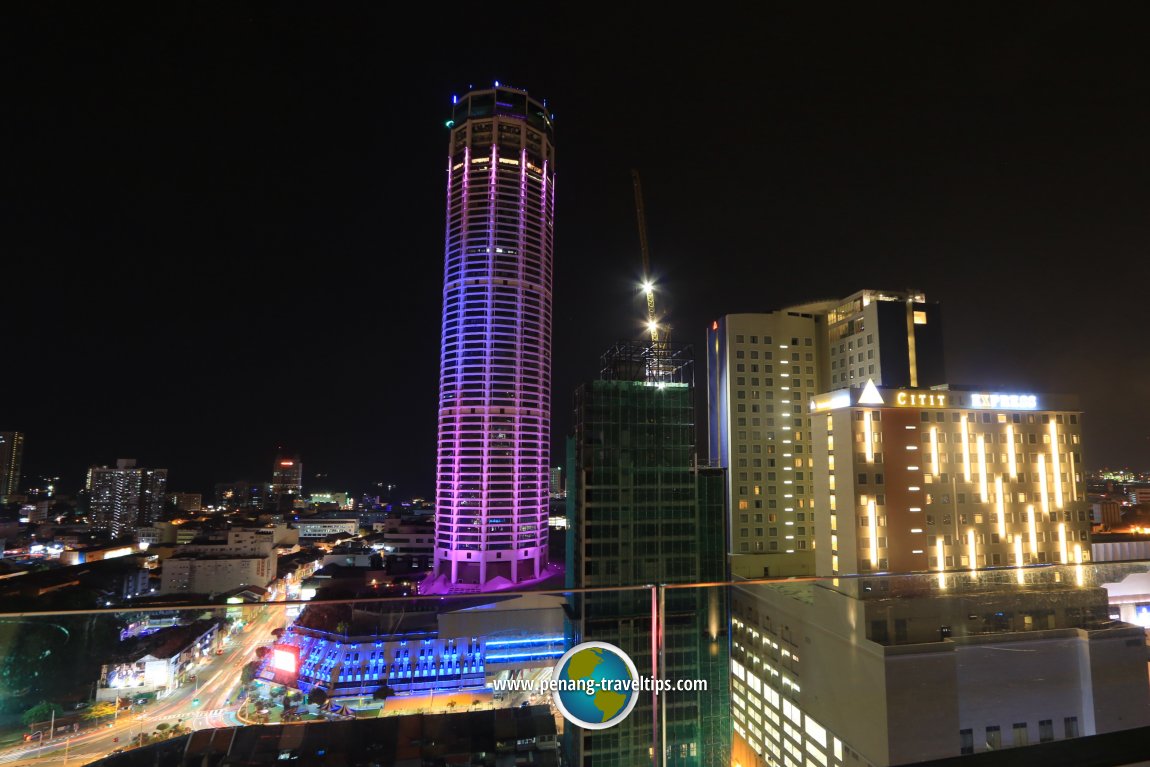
x: 187, y: 502
x: 642, y: 511
x: 126, y: 497
x: 242, y: 493
x: 287, y: 477
x: 762, y: 371
x: 495, y: 373
x: 893, y: 338
x: 558, y: 490
x: 11, y: 456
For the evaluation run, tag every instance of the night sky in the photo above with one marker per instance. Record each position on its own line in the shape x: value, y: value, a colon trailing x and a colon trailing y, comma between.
x: 223, y: 222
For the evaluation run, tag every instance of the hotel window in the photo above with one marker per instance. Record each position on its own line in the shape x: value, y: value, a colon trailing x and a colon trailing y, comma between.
x: 1046, y: 731
x: 1071, y: 725
x: 1020, y: 735
x: 993, y: 738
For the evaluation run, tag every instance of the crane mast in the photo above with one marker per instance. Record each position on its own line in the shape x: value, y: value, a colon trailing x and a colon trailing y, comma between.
x: 648, y: 287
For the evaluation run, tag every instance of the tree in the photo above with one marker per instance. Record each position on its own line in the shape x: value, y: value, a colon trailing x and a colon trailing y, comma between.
x: 277, y: 633
x: 248, y: 672
x: 317, y: 696
x: 262, y: 652
x: 41, y: 712
x: 162, y: 726
x: 100, y: 710
x: 383, y: 692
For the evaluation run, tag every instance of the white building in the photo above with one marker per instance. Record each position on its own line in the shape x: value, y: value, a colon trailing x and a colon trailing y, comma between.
x: 248, y: 557
x: 321, y: 528
x: 1140, y: 495
x: 762, y: 371
x: 161, y: 663
x: 902, y: 675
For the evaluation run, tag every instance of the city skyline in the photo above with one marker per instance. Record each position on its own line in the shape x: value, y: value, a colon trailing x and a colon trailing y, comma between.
x: 936, y: 176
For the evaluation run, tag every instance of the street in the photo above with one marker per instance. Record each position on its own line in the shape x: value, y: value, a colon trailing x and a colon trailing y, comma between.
x: 219, y: 682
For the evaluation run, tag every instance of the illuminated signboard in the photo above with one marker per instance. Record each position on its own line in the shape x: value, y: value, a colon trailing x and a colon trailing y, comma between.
x: 831, y: 401
x: 285, y: 658
x: 1004, y: 401
x: 921, y: 399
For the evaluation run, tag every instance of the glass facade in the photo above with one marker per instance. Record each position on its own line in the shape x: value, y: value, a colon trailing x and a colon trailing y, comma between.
x: 861, y: 670
x: 642, y: 511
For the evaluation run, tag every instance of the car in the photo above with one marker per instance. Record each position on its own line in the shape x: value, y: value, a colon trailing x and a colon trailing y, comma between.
x: 195, y: 701
x: 115, y: 751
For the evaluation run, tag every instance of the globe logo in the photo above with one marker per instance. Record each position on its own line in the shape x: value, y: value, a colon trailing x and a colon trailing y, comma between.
x: 596, y: 685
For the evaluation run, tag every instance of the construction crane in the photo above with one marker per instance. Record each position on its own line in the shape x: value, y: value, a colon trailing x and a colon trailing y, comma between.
x: 648, y: 287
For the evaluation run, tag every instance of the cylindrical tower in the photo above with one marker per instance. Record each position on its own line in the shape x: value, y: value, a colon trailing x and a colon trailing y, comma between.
x: 495, y: 365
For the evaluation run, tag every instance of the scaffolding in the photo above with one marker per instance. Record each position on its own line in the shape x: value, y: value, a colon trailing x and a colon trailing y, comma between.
x: 655, y: 363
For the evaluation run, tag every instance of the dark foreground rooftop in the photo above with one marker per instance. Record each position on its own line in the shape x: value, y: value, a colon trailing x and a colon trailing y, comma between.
x: 495, y: 738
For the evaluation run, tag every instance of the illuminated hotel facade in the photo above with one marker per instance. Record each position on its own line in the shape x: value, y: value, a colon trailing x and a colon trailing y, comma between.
x: 942, y: 654
x: 942, y: 479
x: 762, y: 371
x: 495, y: 375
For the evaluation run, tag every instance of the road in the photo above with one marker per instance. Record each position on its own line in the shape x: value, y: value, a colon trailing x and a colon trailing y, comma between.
x: 219, y: 683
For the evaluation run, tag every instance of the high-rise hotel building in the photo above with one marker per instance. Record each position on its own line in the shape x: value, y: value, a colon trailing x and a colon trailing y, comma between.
x: 940, y: 479
x: 495, y: 375
x: 763, y: 369
x: 958, y: 616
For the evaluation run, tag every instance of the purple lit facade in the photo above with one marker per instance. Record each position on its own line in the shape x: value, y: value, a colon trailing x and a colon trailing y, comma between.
x: 495, y: 371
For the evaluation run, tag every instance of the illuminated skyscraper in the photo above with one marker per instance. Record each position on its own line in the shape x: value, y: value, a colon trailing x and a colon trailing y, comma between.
x: 287, y: 479
x: 495, y: 374
x: 11, y: 455
x: 126, y: 497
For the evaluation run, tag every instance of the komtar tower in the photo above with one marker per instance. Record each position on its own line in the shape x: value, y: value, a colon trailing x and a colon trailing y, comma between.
x: 495, y: 369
